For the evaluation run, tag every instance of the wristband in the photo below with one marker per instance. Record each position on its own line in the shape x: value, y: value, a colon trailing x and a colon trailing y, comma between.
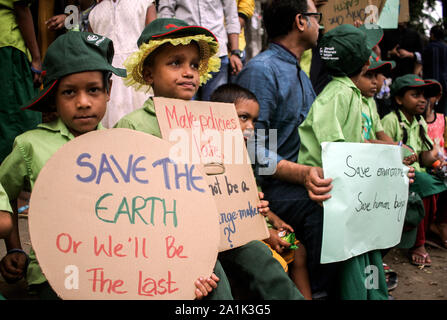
x: 400, y: 143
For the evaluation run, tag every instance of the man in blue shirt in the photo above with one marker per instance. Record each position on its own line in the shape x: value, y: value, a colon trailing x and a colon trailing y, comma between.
x: 285, y: 95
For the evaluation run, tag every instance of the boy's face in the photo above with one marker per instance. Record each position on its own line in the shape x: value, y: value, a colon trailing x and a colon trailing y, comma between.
x: 174, y: 71
x: 247, y: 112
x: 81, y: 101
x: 367, y: 84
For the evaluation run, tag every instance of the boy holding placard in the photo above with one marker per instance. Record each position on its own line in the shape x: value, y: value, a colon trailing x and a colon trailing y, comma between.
x: 335, y: 116
x: 175, y: 59
x: 77, y: 71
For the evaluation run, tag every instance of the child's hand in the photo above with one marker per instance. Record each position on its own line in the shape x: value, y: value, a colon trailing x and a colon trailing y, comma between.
x: 263, y: 206
x: 276, y: 242
x: 205, y: 286
x: 318, y: 187
x: 56, y: 22
x: 13, y: 267
x: 411, y: 175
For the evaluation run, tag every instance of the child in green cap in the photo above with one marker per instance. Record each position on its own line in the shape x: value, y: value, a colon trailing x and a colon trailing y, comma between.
x: 336, y: 115
x: 76, y: 74
x: 406, y: 125
x: 174, y: 59
x: 77, y: 71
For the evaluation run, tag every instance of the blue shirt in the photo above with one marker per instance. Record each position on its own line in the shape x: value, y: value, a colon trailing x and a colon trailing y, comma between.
x: 285, y: 94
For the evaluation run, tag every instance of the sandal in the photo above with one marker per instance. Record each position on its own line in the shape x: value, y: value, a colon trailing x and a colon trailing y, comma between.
x: 391, y: 277
x: 413, y: 254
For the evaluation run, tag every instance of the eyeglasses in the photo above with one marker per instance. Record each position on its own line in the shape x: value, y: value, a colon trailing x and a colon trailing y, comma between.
x: 317, y: 15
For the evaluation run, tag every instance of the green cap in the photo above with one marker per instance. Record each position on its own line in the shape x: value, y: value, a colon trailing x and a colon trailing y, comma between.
x: 73, y: 52
x: 345, y: 49
x: 171, y: 27
x: 415, y: 213
x: 430, y: 88
x: 380, y: 66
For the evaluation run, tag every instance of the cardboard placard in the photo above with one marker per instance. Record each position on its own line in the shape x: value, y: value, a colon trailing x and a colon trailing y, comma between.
x: 111, y: 218
x: 368, y: 201
x: 404, y: 11
x: 337, y: 12
x: 209, y: 133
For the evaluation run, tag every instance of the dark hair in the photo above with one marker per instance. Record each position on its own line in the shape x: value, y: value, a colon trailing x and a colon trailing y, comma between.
x: 437, y: 32
x: 422, y: 133
x: 230, y: 93
x: 279, y: 16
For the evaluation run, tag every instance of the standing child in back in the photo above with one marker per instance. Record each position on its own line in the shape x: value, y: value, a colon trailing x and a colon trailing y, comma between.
x: 174, y: 59
x: 76, y: 86
x: 122, y: 21
x: 407, y: 125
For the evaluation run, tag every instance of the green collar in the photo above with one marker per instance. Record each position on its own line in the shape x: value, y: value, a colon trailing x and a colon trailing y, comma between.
x: 149, y: 106
x: 59, y: 126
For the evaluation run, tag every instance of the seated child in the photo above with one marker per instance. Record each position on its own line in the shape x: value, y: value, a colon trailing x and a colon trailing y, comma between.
x: 336, y: 116
x: 369, y: 84
x: 175, y: 59
x: 76, y: 86
x: 407, y: 125
x: 247, y: 109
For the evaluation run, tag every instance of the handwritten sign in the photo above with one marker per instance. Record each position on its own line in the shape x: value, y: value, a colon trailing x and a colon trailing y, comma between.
x: 390, y: 15
x: 112, y: 217
x: 369, y: 199
x: 209, y: 134
x: 338, y: 12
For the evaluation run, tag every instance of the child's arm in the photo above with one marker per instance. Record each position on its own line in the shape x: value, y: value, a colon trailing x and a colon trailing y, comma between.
x: 151, y: 14
x: 13, y: 265
x: 5, y: 224
x: 26, y: 25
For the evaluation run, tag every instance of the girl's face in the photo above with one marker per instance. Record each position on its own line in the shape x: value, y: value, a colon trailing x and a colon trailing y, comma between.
x: 412, y: 102
x: 174, y: 71
x: 81, y: 101
x: 248, y: 112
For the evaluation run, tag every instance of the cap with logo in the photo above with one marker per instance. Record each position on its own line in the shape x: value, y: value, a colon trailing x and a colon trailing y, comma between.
x: 346, y: 48
x: 73, y: 52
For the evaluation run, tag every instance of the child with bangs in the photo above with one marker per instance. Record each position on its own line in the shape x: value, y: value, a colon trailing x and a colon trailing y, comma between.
x: 174, y: 59
x: 407, y: 126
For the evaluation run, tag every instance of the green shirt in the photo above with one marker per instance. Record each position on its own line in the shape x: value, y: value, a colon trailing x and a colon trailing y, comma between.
x: 4, y: 200
x: 143, y: 119
x: 10, y: 35
x: 335, y: 116
x: 371, y: 123
x: 20, y: 169
x: 393, y: 128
